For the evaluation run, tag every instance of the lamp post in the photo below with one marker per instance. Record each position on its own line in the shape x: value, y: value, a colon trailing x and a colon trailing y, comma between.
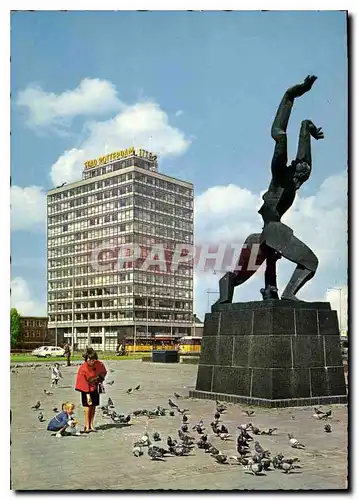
x: 340, y: 305
x: 73, y: 305
x: 56, y: 311
x: 147, y: 327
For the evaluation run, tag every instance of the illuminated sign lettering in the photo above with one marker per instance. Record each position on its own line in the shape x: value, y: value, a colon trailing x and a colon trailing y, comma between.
x: 119, y: 155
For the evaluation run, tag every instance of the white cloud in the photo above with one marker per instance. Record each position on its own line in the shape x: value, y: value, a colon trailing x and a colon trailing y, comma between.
x: 28, y: 208
x: 229, y: 214
x: 179, y: 112
x: 143, y: 125
x: 23, y: 300
x: 92, y: 97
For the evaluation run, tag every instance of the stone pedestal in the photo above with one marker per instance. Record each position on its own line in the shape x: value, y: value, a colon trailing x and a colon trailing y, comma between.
x: 272, y: 353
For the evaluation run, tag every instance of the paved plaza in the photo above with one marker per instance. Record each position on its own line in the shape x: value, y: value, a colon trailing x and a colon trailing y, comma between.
x: 40, y: 461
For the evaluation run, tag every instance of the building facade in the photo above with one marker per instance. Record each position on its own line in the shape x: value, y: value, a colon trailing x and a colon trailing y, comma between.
x: 94, y: 297
x: 33, y: 333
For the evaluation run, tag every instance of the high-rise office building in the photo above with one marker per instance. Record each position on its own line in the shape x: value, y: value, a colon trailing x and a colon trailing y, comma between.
x: 94, y: 297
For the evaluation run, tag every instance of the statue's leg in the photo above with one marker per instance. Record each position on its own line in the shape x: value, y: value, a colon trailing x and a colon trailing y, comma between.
x: 251, y: 258
x: 280, y: 238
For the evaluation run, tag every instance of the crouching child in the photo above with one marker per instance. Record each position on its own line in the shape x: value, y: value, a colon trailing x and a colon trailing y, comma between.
x: 64, y: 422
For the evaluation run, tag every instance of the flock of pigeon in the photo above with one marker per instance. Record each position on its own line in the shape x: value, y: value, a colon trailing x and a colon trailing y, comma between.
x: 255, y: 460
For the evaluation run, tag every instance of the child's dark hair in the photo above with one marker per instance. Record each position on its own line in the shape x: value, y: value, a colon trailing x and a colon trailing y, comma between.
x: 90, y: 354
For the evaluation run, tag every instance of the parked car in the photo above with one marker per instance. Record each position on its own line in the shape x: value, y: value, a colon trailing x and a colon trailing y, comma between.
x: 38, y: 349
x: 49, y: 351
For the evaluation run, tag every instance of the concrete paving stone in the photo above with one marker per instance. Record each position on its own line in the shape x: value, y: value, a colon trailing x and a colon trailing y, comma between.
x: 39, y: 461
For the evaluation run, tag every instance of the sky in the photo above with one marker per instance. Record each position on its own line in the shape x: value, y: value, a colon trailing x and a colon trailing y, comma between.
x: 204, y: 86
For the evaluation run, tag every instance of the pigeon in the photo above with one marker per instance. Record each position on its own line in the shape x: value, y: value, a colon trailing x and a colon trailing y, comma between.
x: 268, y: 432
x: 128, y: 391
x: 55, y: 409
x: 256, y: 468
x: 220, y: 406
x: 256, y: 431
x: 328, y: 428
x: 180, y: 450
x: 260, y: 451
x: 244, y: 427
x: 186, y: 439
x: 176, y: 395
x: 199, y: 427
x: 171, y: 404
x: 110, y: 403
x: 136, y: 413
x: 48, y: 393
x: 249, y: 413
x: 185, y: 410
x: 156, y: 436
x: 41, y: 417
x: 185, y: 419
x: 220, y: 458
x: 246, y: 435
x: 36, y: 406
x: 154, y: 454
x: 212, y: 450
x: 137, y: 451
x: 171, y: 442
x: 224, y: 429
x: 184, y: 428
x: 201, y: 443
x: 224, y: 436
x: 294, y: 442
x: 326, y: 415
x: 217, y: 416
x: 111, y: 382
x: 144, y: 440
x: 125, y: 420
x: 285, y: 466
x: 137, y: 388
x: 321, y: 415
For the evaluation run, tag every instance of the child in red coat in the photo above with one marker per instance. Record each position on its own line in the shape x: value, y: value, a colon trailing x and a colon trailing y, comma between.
x: 90, y: 375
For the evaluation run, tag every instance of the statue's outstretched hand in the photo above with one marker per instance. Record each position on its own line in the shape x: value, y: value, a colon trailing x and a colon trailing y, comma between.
x: 309, y: 81
x: 302, y: 88
x: 316, y: 132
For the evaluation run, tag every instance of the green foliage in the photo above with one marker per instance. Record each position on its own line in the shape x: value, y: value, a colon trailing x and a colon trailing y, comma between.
x: 14, y: 326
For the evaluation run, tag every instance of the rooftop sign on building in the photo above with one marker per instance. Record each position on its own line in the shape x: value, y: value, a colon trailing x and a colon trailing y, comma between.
x: 120, y: 155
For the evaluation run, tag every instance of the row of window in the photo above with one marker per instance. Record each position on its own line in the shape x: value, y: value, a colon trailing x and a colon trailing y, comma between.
x: 142, y: 206
x: 109, y: 194
x: 141, y: 220
x: 32, y: 334
x: 111, y: 242
x: 159, y: 291
x: 33, y: 322
x: 118, y: 179
x: 92, y: 292
x: 121, y: 302
x: 119, y: 277
x: 178, y: 235
x: 120, y: 315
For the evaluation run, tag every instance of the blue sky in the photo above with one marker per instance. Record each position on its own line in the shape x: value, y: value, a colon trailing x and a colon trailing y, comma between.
x: 218, y: 77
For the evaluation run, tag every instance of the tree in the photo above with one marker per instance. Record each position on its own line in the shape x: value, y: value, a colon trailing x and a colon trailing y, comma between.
x: 14, y: 326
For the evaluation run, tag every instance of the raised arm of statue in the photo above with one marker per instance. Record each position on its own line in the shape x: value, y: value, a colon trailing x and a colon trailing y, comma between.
x: 279, y: 126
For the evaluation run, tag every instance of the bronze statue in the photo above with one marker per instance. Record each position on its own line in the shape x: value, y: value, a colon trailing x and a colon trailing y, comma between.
x: 276, y: 239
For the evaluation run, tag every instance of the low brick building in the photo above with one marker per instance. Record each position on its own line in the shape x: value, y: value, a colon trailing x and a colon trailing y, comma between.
x: 33, y: 333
